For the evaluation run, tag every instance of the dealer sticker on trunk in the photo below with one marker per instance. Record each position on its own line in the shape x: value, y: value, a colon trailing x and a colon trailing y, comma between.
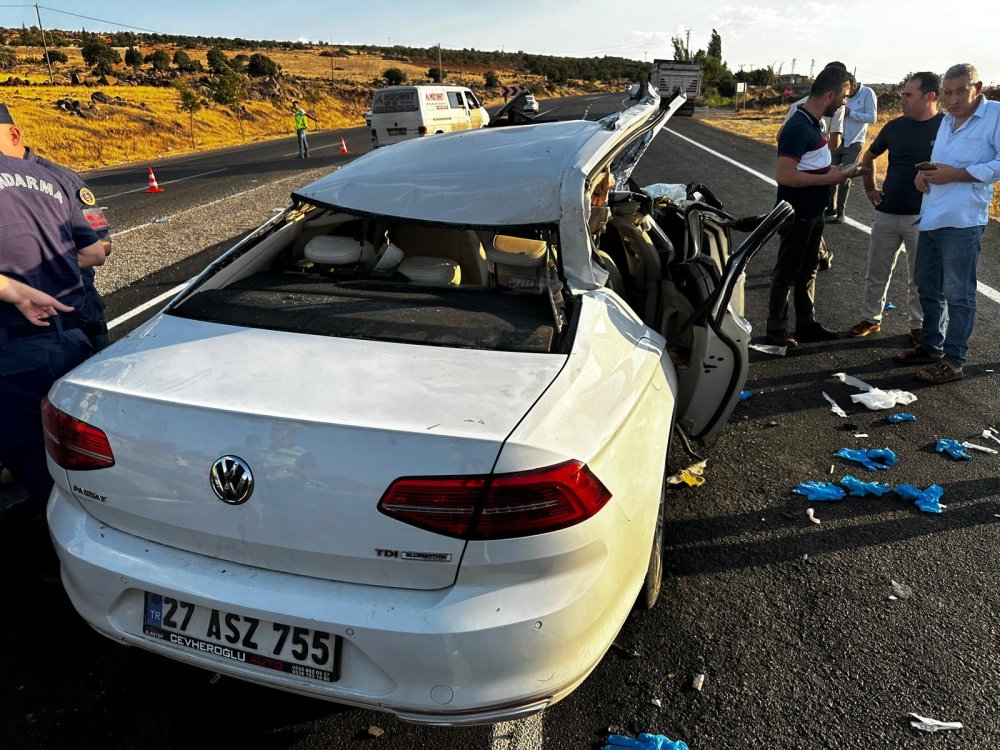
x: 246, y: 640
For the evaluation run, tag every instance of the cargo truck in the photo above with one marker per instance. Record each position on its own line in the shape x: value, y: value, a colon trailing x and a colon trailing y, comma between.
x: 671, y: 77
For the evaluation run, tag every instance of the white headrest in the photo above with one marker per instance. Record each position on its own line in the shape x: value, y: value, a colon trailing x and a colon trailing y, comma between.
x: 333, y: 251
x: 517, y: 251
x: 437, y: 271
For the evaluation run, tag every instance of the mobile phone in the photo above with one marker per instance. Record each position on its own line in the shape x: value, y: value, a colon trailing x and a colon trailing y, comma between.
x: 850, y: 168
x: 924, y: 166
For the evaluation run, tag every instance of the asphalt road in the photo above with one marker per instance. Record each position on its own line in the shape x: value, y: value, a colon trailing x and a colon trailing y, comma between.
x: 791, y: 623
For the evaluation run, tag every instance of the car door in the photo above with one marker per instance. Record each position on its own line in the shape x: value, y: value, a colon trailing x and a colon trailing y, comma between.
x: 715, y: 370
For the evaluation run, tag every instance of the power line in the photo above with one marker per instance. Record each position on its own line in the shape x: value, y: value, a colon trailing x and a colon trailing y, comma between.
x: 101, y: 20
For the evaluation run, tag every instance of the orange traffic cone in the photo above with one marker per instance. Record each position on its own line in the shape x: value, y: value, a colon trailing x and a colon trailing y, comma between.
x: 153, y: 187
x: 343, y: 147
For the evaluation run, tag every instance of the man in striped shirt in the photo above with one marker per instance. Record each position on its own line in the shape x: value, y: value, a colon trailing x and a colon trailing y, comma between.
x: 804, y: 177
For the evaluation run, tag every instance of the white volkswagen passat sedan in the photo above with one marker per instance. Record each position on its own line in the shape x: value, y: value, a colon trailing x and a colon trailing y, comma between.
x: 403, y: 447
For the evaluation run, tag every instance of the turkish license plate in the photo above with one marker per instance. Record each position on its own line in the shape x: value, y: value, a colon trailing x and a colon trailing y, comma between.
x: 397, y: 131
x: 243, y: 639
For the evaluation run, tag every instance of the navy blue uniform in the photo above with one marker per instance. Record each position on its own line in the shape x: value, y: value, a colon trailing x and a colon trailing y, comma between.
x: 41, y: 232
x: 92, y: 311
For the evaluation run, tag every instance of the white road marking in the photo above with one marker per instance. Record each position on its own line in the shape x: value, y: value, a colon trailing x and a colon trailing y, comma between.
x: 984, y: 289
x: 524, y: 734
x: 146, y: 305
x: 161, y: 184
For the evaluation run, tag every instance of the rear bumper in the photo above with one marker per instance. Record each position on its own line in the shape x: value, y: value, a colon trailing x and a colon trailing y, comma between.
x: 463, y: 655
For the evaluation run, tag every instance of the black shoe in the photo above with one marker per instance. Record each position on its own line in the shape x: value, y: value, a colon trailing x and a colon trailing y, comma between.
x: 825, y: 261
x: 781, y: 338
x: 815, y: 332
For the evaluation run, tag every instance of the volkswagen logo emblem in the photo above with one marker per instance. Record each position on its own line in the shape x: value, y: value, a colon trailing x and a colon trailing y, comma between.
x: 232, y: 480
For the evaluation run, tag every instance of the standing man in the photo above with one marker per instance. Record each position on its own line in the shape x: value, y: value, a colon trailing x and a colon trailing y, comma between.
x: 958, y: 187
x: 860, y: 111
x: 909, y: 140
x: 301, y: 126
x: 93, y: 308
x: 45, y: 242
x: 804, y: 177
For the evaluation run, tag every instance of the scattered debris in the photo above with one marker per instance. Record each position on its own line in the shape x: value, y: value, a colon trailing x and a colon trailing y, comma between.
x: 875, y: 398
x: 927, y: 500
x: 901, y: 590
x: 812, y: 516
x: 980, y: 448
x: 990, y: 434
x: 953, y: 448
x: 834, y: 406
x: 903, y: 313
x: 819, y: 491
x: 860, y: 434
x: 691, y: 476
x: 777, y: 351
x: 932, y: 725
x: 889, y: 306
x: 831, y: 468
x: 903, y: 416
x: 656, y: 702
x: 627, y: 651
x: 214, y: 678
x: 857, y: 488
x: 698, y: 682
x: 645, y: 742
x: 375, y: 731
x: 871, y: 458
x: 744, y: 395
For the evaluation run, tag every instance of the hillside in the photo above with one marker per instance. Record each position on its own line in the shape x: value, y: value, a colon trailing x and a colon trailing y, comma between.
x: 132, y: 113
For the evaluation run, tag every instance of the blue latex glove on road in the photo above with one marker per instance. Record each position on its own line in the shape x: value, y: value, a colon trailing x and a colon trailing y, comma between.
x: 645, y: 742
x: 744, y: 395
x: 902, y: 417
x: 871, y: 458
x: 819, y: 491
x: 889, y: 306
x: 953, y: 448
x: 927, y: 500
x: 857, y: 488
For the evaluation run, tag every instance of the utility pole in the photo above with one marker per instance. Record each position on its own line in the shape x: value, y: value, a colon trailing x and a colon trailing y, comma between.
x: 812, y: 64
x: 440, y: 69
x: 687, y: 44
x: 45, y: 46
x: 792, y: 69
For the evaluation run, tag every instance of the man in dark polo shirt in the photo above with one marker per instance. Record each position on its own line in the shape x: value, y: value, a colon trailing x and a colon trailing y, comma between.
x: 804, y: 177
x: 909, y: 140
x: 45, y: 241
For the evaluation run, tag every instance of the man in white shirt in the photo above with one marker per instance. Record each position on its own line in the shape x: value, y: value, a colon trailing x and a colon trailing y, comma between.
x: 860, y: 111
x: 958, y: 186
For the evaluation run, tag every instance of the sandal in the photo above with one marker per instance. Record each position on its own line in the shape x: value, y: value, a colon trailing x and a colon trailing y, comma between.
x: 919, y: 355
x: 940, y: 372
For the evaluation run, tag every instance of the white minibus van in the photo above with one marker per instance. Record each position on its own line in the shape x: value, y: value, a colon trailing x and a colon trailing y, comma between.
x: 403, y: 112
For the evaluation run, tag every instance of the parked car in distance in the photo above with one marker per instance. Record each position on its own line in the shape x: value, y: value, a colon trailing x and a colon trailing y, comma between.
x: 530, y: 104
x: 400, y: 113
x: 403, y: 447
x: 368, y: 117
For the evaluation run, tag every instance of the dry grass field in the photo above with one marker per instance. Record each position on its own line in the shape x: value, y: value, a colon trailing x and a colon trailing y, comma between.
x: 335, y: 90
x: 762, y: 126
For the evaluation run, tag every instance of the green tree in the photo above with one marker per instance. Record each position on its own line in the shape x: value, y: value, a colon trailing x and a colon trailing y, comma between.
x: 715, y: 46
x: 217, y: 61
x: 57, y: 56
x: 230, y: 89
x: 98, y: 54
x: 261, y: 66
x: 159, y: 59
x: 435, y: 74
x: 491, y: 78
x: 394, y: 76
x: 133, y: 57
x: 7, y: 57
x: 189, y: 102
x: 680, y: 51
x: 239, y: 63
x: 184, y: 62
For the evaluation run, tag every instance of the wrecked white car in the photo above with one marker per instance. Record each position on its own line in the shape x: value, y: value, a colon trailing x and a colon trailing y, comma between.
x: 403, y: 447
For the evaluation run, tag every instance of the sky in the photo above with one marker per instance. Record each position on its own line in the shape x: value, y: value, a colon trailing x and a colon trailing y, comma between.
x: 880, y: 41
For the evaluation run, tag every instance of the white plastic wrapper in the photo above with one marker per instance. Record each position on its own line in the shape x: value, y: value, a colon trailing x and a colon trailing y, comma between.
x: 777, y: 351
x: 875, y: 398
x: 931, y: 725
x: 676, y: 193
x: 834, y: 406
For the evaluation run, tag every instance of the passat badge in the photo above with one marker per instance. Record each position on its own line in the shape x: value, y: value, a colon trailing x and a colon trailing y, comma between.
x: 232, y: 480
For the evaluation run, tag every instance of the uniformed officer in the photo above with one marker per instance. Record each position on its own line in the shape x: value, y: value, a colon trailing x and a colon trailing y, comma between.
x: 45, y: 242
x: 93, y: 309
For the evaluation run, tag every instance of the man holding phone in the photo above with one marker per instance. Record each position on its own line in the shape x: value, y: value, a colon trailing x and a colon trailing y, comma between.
x: 965, y: 162
x: 908, y: 140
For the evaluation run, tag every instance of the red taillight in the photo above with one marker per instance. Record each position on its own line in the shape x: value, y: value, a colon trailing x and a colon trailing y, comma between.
x: 74, y: 444
x: 422, y: 130
x: 499, y: 506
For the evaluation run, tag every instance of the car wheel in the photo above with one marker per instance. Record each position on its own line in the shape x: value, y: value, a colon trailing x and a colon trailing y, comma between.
x: 650, y: 590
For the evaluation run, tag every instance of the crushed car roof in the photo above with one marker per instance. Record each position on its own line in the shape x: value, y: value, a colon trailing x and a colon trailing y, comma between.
x: 491, y: 177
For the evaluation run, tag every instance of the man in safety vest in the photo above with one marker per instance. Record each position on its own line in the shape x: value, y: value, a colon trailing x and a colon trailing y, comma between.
x: 301, y: 126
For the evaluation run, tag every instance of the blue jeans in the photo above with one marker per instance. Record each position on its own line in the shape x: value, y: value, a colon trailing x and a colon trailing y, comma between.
x: 303, y: 144
x: 946, y: 277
